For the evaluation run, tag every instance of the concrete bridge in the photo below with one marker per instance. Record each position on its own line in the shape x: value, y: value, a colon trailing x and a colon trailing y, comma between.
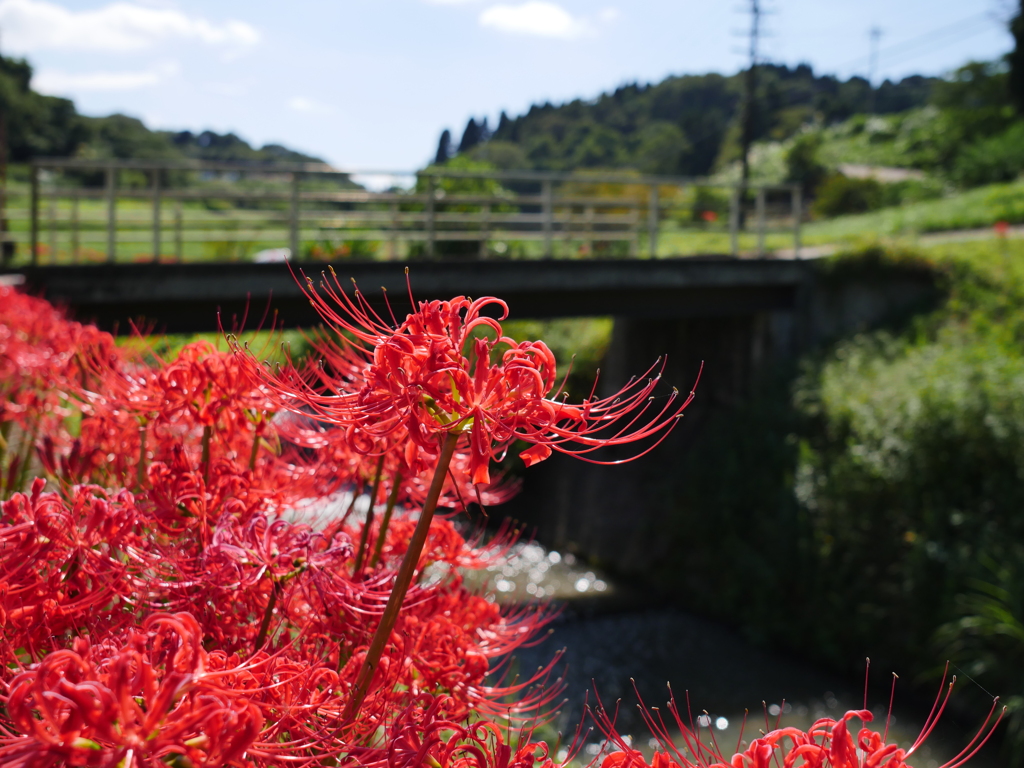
x: 740, y: 317
x: 186, y: 298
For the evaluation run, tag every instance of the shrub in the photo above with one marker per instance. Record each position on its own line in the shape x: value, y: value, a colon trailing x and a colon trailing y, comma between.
x: 803, y: 165
x: 840, y: 195
x: 991, y: 160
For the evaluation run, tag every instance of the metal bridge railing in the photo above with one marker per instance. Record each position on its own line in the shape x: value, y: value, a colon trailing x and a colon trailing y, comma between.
x: 96, y: 210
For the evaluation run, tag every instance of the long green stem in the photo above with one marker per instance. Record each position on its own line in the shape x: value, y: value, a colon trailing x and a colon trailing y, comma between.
x: 364, y: 538
x: 207, y: 434
x: 261, y: 636
x: 396, y: 483
x: 5, y: 431
x: 255, y: 452
x: 26, y: 458
x: 402, y: 581
x: 141, y: 472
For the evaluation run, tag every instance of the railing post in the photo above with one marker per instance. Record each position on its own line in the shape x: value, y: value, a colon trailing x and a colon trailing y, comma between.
x: 588, y: 216
x: 485, y: 219
x: 177, y: 232
x: 111, y: 216
x: 548, y: 214
x: 760, y: 221
x: 734, y: 222
x: 293, y: 219
x: 393, y: 232
x: 75, y: 244
x: 156, y: 216
x: 635, y: 225
x: 51, y: 220
x: 798, y: 215
x: 33, y: 240
x: 653, y: 216
x: 431, y: 229
x: 567, y: 224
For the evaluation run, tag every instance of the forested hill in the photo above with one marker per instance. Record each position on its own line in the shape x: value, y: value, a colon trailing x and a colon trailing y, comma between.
x: 683, y: 125
x: 47, y: 126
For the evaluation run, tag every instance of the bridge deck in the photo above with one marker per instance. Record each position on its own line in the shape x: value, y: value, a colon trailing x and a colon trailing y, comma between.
x: 185, y: 298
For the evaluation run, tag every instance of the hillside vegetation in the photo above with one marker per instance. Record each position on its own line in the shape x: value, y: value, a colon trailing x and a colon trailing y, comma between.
x: 682, y: 125
x: 48, y: 126
x: 844, y: 142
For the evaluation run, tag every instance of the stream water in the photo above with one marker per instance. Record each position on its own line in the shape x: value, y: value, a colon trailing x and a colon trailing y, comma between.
x: 613, y: 645
x: 609, y: 648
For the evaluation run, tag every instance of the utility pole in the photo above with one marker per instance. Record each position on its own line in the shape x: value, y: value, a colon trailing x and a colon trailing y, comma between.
x: 749, y: 114
x: 875, y: 34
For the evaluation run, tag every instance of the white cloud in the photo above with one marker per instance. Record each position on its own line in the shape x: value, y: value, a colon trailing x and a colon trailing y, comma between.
x: 33, y: 25
x: 302, y: 104
x: 58, y: 83
x: 608, y: 15
x: 535, y: 17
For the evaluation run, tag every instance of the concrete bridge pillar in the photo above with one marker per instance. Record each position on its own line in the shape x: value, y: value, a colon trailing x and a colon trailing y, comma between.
x: 614, y: 513
x: 618, y: 515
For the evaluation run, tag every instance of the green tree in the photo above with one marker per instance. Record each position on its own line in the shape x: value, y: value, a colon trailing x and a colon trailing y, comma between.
x: 661, y: 148
x: 444, y: 148
x: 1016, y: 60
x: 803, y: 166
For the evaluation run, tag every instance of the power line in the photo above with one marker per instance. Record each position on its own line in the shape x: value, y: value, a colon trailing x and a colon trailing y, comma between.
x: 956, y: 29
x: 960, y: 37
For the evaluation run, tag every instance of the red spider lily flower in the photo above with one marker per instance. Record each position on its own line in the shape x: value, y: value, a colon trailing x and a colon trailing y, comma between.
x: 138, y: 705
x: 64, y: 564
x: 433, y: 383
x: 426, y: 734
x: 433, y: 375
x: 827, y: 743
x: 41, y: 356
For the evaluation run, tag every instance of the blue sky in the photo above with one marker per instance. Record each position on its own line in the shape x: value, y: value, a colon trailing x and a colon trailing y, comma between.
x: 370, y: 84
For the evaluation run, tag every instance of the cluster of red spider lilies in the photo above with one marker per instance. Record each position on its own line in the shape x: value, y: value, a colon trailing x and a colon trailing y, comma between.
x: 210, y: 561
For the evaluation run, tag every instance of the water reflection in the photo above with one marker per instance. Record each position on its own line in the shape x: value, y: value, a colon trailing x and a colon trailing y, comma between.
x: 731, y: 683
x: 531, y: 572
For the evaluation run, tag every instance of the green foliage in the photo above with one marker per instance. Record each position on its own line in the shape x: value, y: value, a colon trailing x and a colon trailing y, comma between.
x: 910, y: 472
x: 449, y: 187
x: 803, y: 165
x: 502, y: 155
x: 709, y: 204
x: 976, y: 98
x: 841, y: 195
x: 878, y: 488
x: 228, y: 147
x: 45, y: 126
x: 331, y: 249
x: 992, y: 159
x: 987, y: 641
x: 662, y: 148
x: 123, y: 137
x: 36, y: 124
x: 579, y: 345
x: 1015, y: 61
x: 979, y: 207
x: 683, y: 125
x: 969, y: 133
